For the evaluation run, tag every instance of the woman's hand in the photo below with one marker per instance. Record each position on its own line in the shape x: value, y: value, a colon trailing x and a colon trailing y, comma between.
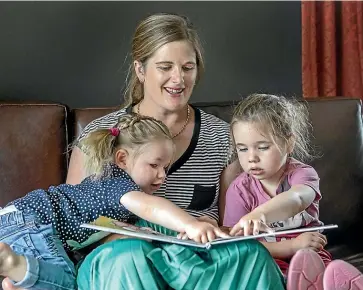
x: 250, y: 225
x: 312, y: 240
x: 203, y: 232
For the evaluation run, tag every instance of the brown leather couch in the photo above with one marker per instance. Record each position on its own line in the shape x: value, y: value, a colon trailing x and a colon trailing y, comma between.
x: 34, y: 154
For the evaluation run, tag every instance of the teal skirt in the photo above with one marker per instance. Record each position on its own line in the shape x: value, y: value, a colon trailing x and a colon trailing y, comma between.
x: 139, y: 264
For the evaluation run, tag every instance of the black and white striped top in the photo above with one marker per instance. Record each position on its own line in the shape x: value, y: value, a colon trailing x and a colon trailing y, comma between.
x: 192, y: 182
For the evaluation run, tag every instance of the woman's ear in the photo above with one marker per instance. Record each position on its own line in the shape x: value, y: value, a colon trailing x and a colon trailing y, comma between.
x: 122, y: 158
x: 139, y: 70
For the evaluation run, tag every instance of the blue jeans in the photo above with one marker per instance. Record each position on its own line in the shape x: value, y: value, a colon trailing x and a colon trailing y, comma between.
x: 48, y: 266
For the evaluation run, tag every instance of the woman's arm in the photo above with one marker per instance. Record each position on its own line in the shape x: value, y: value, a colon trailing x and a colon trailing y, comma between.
x: 75, y: 171
x: 227, y: 176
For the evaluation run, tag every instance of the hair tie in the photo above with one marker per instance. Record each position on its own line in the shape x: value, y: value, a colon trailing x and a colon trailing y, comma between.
x: 115, y: 131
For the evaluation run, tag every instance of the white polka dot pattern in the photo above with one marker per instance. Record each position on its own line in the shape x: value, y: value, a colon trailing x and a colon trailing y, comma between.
x: 68, y: 206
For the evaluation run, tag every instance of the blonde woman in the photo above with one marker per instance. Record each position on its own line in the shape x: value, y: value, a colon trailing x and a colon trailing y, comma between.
x: 167, y: 63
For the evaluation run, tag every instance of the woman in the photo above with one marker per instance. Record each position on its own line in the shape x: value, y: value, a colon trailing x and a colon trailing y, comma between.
x: 167, y: 64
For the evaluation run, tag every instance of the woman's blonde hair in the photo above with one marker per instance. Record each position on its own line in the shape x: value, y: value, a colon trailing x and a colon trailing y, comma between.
x: 285, y: 120
x: 132, y: 131
x: 152, y: 33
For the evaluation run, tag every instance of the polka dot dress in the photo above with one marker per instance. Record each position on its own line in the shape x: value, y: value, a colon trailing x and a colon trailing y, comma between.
x: 68, y: 206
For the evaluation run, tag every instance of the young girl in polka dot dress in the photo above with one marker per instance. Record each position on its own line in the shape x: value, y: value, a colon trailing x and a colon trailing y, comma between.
x: 127, y: 164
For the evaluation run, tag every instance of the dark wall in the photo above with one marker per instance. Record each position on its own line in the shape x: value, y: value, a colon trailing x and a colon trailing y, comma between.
x: 75, y: 52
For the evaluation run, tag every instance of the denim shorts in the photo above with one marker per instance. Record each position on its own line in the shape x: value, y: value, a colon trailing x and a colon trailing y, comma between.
x: 48, y: 265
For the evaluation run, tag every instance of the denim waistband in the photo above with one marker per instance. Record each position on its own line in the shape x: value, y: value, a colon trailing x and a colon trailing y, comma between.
x: 7, y: 209
x: 16, y: 218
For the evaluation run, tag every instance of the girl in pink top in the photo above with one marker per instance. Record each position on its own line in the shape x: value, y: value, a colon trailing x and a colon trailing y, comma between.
x: 269, y: 132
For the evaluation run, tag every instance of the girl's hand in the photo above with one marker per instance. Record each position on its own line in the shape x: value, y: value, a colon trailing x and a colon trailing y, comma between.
x: 203, y: 232
x: 203, y: 218
x: 250, y: 225
x: 207, y: 219
x: 312, y: 240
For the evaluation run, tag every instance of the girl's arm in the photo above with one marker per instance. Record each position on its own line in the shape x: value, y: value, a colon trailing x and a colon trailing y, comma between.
x: 280, y: 250
x: 163, y: 212
x: 287, y: 248
x: 283, y: 206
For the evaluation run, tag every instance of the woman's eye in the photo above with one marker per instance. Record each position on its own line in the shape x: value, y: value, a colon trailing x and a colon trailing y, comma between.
x: 242, y: 149
x: 154, y: 165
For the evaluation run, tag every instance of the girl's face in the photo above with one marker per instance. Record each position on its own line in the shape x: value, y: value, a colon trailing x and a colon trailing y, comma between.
x: 148, y: 168
x: 257, y: 153
x: 169, y: 75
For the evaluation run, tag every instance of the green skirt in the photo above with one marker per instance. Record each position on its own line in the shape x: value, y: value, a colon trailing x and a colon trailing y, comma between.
x: 138, y: 264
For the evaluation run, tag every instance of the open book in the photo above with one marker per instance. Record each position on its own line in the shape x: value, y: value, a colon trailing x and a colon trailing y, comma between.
x: 113, y: 226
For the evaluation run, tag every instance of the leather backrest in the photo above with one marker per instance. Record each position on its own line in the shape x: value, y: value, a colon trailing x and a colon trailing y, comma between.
x: 337, y: 126
x: 81, y: 117
x: 33, y: 143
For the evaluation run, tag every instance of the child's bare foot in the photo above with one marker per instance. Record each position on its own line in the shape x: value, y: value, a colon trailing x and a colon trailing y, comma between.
x: 11, y: 264
x: 7, y: 285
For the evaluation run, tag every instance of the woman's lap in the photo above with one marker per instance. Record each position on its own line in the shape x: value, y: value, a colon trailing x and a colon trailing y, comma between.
x: 138, y: 264
x: 244, y: 265
x: 120, y: 264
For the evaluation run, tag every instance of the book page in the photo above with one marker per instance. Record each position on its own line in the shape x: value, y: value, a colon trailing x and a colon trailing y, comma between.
x: 276, y: 233
x: 118, y: 227
x: 122, y: 228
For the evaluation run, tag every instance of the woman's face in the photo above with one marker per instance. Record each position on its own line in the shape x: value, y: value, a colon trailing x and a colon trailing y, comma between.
x: 169, y: 75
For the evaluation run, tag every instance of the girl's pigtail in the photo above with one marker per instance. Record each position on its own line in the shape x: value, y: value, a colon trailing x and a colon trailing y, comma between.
x: 98, y: 146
